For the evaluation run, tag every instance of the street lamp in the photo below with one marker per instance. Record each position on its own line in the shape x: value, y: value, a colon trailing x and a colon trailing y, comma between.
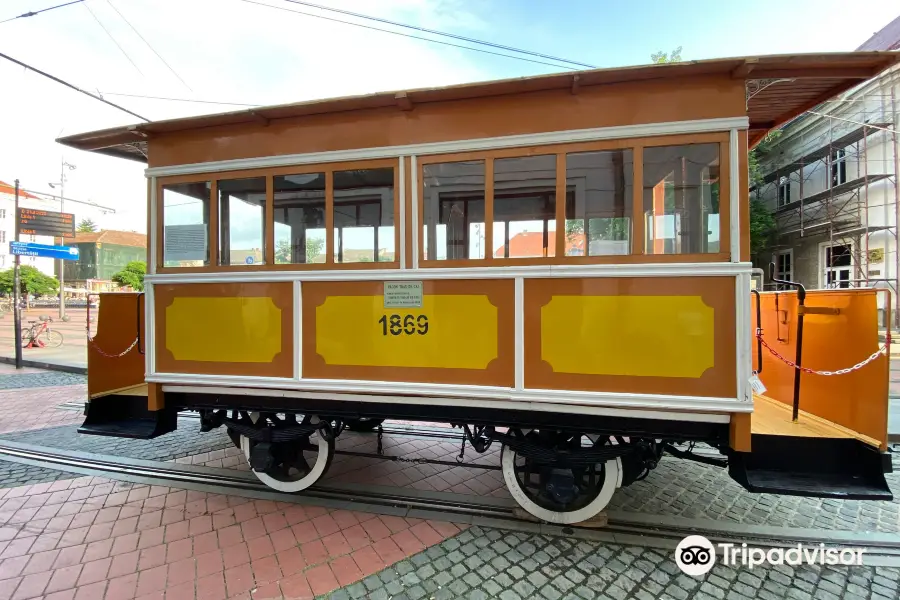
x: 62, y: 186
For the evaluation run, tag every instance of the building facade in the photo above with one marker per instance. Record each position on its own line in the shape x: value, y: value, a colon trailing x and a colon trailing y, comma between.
x: 830, y: 180
x: 102, y: 254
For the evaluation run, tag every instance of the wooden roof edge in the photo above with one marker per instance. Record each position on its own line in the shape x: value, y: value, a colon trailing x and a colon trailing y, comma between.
x: 847, y: 68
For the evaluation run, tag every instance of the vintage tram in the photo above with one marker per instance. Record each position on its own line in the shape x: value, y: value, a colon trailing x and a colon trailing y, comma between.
x: 558, y: 264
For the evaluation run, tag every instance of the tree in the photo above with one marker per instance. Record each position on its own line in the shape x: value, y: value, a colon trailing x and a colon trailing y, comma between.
x: 762, y: 222
x: 132, y: 275
x: 283, y: 250
x: 31, y: 280
x: 663, y: 57
x: 86, y: 226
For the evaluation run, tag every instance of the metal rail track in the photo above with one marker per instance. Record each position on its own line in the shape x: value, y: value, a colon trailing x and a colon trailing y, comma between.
x: 623, y: 528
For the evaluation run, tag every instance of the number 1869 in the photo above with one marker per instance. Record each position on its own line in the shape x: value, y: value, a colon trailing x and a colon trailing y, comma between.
x: 403, y: 324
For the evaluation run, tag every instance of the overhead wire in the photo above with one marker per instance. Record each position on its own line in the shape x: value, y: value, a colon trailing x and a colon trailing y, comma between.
x: 415, y: 37
x: 443, y: 33
x: 178, y: 99
x: 121, y: 49
x: 138, y: 33
x: 69, y: 85
x: 37, y: 12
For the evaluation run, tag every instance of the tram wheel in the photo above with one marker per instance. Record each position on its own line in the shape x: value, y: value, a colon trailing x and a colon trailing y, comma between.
x: 363, y: 424
x: 560, y: 495
x: 297, y: 465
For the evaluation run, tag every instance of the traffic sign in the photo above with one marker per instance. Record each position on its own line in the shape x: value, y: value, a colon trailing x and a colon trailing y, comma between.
x: 43, y: 250
x: 46, y: 222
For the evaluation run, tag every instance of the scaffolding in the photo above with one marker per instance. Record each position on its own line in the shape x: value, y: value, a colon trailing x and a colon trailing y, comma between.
x: 852, y: 144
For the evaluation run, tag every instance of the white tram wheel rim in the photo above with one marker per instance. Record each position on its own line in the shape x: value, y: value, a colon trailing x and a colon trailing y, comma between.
x: 299, y: 485
x: 612, y: 470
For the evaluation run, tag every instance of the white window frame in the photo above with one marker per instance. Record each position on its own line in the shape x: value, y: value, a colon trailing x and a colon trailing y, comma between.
x: 838, y: 174
x: 823, y: 269
x: 784, y: 183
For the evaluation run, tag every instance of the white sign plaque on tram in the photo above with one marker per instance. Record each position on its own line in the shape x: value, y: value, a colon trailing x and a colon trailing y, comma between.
x: 403, y: 294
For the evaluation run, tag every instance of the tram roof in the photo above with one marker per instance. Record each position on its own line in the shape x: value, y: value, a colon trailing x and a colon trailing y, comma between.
x: 785, y: 86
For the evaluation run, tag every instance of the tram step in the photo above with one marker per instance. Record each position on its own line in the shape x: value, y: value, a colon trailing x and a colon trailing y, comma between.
x: 126, y: 416
x: 806, y: 466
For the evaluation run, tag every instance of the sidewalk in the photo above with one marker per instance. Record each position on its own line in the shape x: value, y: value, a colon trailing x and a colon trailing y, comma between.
x: 72, y: 353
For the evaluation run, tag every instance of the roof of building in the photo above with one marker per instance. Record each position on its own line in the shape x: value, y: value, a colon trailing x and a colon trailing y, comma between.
x: 785, y: 87
x: 6, y: 188
x: 111, y: 236
x: 888, y: 38
x: 531, y: 243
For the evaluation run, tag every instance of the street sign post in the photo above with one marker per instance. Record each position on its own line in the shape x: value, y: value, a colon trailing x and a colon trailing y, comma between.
x: 43, y: 250
x: 46, y: 222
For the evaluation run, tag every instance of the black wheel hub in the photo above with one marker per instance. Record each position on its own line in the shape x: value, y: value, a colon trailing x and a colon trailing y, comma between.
x: 561, y: 487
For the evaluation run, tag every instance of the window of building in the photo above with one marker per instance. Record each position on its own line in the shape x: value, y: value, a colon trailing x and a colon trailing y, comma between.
x: 299, y: 209
x: 242, y: 221
x: 838, y: 167
x: 454, y: 218
x: 681, y: 199
x: 784, y: 267
x: 598, y: 203
x: 185, y: 224
x: 2, y: 236
x: 784, y: 191
x: 838, y: 265
x: 524, y: 207
x: 2, y: 213
x: 364, y: 216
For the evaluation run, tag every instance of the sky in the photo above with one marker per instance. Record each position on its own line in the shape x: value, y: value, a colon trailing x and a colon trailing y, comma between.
x: 241, y: 52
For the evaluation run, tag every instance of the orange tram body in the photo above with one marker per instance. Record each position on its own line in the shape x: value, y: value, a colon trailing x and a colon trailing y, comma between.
x: 558, y: 264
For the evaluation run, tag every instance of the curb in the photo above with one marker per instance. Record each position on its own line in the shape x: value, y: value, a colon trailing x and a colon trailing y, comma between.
x: 37, y: 364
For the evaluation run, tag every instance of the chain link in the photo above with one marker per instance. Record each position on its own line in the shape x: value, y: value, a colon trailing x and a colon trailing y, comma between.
x: 119, y: 355
x: 794, y: 365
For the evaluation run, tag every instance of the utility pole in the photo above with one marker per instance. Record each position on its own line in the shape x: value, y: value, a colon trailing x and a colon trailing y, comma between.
x: 17, y: 314
x: 62, y: 207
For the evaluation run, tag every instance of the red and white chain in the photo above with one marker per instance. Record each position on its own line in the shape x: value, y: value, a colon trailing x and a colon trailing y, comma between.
x: 794, y: 365
x: 119, y: 355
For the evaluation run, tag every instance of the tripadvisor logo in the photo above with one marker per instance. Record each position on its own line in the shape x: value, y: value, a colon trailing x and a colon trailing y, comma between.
x: 695, y: 555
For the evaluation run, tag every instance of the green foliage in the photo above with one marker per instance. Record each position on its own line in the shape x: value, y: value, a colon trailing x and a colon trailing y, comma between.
x: 86, y: 226
x: 31, y: 280
x: 762, y: 222
x: 132, y: 275
x: 314, y: 248
x: 664, y: 57
x: 761, y: 149
x: 762, y: 226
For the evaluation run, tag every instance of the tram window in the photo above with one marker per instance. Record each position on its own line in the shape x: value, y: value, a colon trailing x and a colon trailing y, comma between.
x: 242, y: 221
x: 299, y: 218
x: 364, y: 216
x: 681, y: 199
x: 525, y: 207
x: 454, y: 210
x: 598, y: 202
x: 185, y: 232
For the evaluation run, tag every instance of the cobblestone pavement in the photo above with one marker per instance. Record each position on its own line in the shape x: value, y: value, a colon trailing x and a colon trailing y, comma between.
x: 482, y: 563
x: 9, y: 381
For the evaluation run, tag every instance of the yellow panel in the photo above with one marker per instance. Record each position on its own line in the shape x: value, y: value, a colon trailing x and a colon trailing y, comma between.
x: 650, y: 336
x: 357, y: 330
x: 244, y: 330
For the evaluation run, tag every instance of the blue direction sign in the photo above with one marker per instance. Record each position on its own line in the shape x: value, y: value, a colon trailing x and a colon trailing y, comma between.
x: 44, y: 250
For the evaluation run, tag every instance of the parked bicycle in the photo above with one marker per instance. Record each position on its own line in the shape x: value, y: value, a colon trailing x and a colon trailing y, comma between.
x: 39, y: 333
